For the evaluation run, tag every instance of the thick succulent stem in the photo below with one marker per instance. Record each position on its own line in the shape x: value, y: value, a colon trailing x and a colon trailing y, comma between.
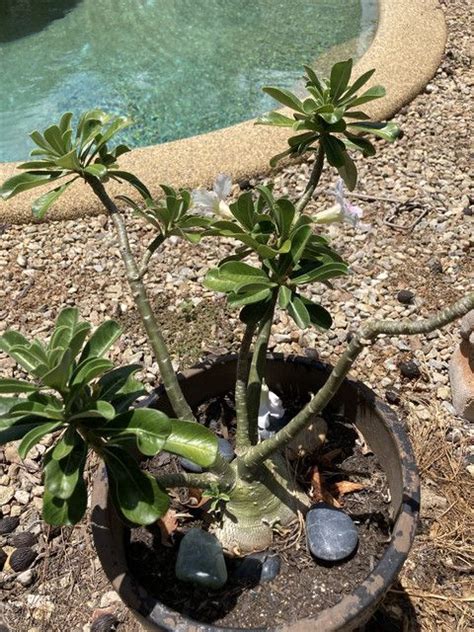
x: 257, y: 454
x: 242, y: 437
x: 313, y: 180
x: 257, y: 505
x: 155, y: 337
x: 190, y: 480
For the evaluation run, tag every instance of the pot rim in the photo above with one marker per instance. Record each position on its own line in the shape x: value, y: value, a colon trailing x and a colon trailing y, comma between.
x: 364, y: 598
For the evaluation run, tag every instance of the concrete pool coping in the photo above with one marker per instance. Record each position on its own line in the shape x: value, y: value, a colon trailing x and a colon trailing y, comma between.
x: 406, y: 51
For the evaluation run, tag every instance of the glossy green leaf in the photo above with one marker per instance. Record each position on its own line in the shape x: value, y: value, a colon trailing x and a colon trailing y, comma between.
x: 334, y: 149
x: 90, y: 369
x: 320, y: 274
x: 12, y: 429
x: 96, y: 170
x: 68, y: 317
x: 62, y: 476
x: 252, y: 294
x: 65, y: 444
x: 284, y: 296
x: 285, y: 97
x: 61, y: 512
x: 254, y: 312
x: 58, y: 376
x: 132, y: 180
x: 340, y: 75
x: 94, y: 410
x: 376, y: 92
x: 113, y: 381
x: 24, y: 358
x: 11, y: 339
x: 232, y: 274
x: 102, y: 339
x: 348, y: 172
x: 276, y: 119
x: 357, y: 85
x: 319, y: 316
x: 35, y: 435
x: 388, y: 131
x: 298, y: 312
x: 11, y: 385
x: 69, y: 161
x: 136, y: 494
x: 150, y: 428
x: 24, y: 181
x: 6, y: 403
x: 192, y: 441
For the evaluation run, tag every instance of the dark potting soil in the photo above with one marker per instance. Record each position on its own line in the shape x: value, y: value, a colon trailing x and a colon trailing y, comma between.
x: 304, y: 586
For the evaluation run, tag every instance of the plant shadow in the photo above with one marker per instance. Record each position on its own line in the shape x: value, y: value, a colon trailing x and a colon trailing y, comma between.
x: 21, y: 19
x: 396, y: 613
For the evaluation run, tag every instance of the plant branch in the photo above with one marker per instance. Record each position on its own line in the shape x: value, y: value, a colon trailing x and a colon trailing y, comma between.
x: 259, y: 453
x: 313, y: 180
x: 257, y: 371
x: 155, y: 337
x: 242, y: 436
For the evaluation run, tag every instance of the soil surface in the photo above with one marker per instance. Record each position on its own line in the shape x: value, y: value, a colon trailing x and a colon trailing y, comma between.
x: 304, y: 586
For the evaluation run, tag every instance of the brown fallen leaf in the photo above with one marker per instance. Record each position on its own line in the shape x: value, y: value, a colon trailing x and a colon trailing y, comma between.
x: 168, y: 525
x: 195, y: 498
x: 319, y: 491
x: 341, y: 488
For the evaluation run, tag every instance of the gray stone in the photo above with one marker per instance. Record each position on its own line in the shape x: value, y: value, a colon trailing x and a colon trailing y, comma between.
x: 410, y: 370
x: 258, y: 568
x: 405, y: 297
x: 270, y: 568
x: 330, y: 533
x: 201, y: 560
x: 9, y: 524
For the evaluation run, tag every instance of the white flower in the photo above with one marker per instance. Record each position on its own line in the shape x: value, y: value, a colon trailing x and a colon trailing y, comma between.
x: 214, y: 201
x: 342, y: 211
x: 270, y: 408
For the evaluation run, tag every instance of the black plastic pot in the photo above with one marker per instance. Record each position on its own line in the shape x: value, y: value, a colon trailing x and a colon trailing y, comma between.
x: 384, y: 433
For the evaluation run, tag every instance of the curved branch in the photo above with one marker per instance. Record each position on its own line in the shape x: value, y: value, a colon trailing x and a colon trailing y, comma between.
x: 259, y: 453
x: 313, y: 180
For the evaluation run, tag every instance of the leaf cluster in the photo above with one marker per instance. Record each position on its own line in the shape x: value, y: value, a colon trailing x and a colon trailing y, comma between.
x: 290, y: 256
x: 77, y: 395
x: 330, y: 118
x: 62, y: 152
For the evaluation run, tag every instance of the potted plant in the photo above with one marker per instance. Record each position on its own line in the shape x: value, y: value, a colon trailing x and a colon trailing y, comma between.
x: 88, y: 404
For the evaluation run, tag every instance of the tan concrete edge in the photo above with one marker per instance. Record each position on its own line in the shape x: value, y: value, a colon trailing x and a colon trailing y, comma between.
x: 406, y: 51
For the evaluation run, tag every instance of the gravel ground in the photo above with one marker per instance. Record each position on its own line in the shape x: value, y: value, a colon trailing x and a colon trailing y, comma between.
x: 47, y: 266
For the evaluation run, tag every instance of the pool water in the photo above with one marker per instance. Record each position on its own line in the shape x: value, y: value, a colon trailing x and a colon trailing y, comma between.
x: 177, y: 67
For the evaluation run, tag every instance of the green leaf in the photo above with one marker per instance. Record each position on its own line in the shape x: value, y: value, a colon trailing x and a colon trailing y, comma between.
x: 132, y: 180
x: 358, y: 83
x: 284, y: 211
x: 348, y: 172
x: 102, y: 339
x: 24, y: 358
x: 388, y: 131
x: 68, y: 317
x: 298, y: 312
x: 320, y: 273
x: 58, y: 377
x: 90, y: 369
x: 284, y: 296
x: 10, y: 385
x: 12, y: 429
x: 243, y: 210
x: 232, y: 274
x: 136, y: 494
x: 97, y: 170
x: 318, y: 315
x: 286, y: 97
x: 62, y: 476
x: 95, y: 409
x: 80, y: 334
x: 24, y: 181
x: 11, y: 339
x: 150, y: 428
x: 274, y: 160
x: 253, y: 312
x: 360, y: 144
x: 252, y: 294
x: 376, y: 92
x: 334, y: 149
x: 113, y: 381
x: 46, y: 406
x: 65, y: 444
x: 276, y: 119
x: 314, y: 80
x: 192, y: 441
x: 59, y: 511
x: 70, y: 161
x: 35, y: 435
x: 54, y: 138
x: 340, y: 75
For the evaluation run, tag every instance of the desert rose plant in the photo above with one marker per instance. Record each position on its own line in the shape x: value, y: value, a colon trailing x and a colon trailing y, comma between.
x: 280, y: 250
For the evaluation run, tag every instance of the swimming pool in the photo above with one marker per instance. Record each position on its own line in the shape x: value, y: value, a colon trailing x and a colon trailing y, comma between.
x: 177, y: 67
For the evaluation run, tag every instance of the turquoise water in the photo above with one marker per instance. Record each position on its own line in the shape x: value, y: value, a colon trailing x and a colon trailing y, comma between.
x: 177, y: 67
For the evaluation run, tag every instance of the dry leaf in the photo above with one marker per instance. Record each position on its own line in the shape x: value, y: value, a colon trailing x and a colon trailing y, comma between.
x: 168, y: 525
x: 319, y: 491
x: 195, y: 498
x: 341, y: 488
x: 364, y: 447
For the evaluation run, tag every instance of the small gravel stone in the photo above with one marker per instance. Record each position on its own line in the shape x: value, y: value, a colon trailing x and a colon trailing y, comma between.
x: 9, y: 524
x: 22, y: 496
x: 105, y: 623
x: 6, y: 494
x: 392, y: 396
x: 26, y: 578
x: 405, y: 297
x: 201, y: 560
x: 330, y: 533
x: 22, y: 558
x: 3, y: 559
x: 410, y: 370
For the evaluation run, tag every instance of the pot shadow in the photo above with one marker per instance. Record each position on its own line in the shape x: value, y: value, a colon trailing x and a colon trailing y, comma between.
x: 19, y: 19
x: 396, y: 613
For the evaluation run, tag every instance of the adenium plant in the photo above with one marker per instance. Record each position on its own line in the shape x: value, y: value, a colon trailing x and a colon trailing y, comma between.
x: 280, y: 251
